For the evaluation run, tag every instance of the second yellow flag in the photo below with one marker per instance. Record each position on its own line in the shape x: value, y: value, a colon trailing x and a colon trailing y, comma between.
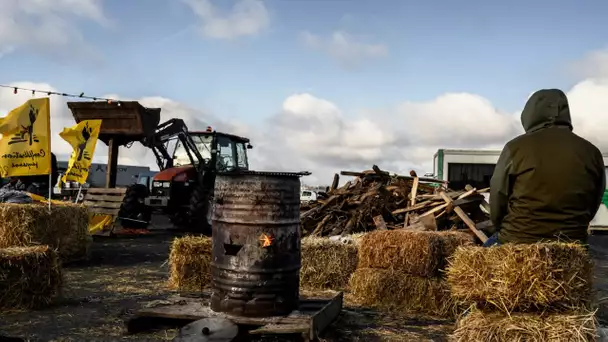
x: 83, y: 138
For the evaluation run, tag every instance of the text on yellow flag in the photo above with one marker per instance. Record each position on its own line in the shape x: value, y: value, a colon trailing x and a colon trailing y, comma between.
x: 25, y: 146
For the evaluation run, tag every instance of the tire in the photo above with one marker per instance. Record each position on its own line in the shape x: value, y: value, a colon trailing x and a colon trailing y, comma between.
x: 133, y: 208
x: 199, y: 209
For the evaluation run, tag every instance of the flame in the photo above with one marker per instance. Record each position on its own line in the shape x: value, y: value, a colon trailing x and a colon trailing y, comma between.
x: 266, y: 240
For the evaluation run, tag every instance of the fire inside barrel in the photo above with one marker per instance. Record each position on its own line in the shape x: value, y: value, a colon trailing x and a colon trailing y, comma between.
x: 256, y: 244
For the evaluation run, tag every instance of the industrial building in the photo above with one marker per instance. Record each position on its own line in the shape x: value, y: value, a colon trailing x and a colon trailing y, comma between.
x: 125, y: 176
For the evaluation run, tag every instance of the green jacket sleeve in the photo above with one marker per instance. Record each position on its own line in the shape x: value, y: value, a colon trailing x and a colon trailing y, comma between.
x: 500, y: 188
x: 602, y: 184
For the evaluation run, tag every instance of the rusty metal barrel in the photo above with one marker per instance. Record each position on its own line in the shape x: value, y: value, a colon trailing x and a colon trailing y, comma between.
x: 256, y: 243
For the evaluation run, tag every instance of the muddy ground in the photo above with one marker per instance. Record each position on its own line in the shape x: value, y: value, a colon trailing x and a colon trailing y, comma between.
x: 125, y: 272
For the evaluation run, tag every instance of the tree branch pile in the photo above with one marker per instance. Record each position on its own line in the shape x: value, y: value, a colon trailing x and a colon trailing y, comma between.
x: 375, y: 199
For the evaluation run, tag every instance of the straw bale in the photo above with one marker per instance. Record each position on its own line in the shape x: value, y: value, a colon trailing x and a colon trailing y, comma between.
x: 413, y: 252
x: 190, y: 263
x: 394, y: 291
x: 454, y: 239
x: 327, y: 264
x: 541, y: 276
x: 30, y: 277
x: 64, y: 228
x: 496, y: 326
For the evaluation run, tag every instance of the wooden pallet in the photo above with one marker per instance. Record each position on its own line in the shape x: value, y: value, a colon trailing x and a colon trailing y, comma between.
x: 313, y: 316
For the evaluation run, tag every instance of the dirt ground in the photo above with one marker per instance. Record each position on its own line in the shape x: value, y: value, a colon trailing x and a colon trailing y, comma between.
x: 125, y: 272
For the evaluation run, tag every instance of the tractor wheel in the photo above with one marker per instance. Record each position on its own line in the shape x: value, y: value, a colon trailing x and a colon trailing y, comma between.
x: 132, y: 207
x: 200, y: 208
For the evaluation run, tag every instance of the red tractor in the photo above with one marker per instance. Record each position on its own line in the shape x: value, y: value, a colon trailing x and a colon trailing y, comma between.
x: 188, y: 162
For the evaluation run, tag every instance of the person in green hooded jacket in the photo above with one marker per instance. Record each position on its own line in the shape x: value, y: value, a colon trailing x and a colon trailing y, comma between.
x: 548, y: 183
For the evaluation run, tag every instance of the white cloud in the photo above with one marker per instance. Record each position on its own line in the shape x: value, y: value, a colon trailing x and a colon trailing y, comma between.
x: 314, y: 134
x: 48, y: 26
x: 348, y: 50
x: 593, y: 65
x: 246, y: 18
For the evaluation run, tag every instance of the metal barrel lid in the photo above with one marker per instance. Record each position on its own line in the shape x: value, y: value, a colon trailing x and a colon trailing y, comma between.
x: 208, y: 330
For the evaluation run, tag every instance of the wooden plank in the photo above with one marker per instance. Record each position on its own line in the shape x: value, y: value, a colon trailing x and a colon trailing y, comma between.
x: 418, y: 206
x: 485, y: 205
x: 106, y: 191
x: 467, y: 200
x: 334, y: 184
x: 436, y: 209
x: 322, y: 319
x: 281, y: 329
x: 484, y: 225
x: 112, y: 163
x: 379, y: 222
x: 109, y: 205
x: 104, y: 211
x: 468, y: 193
x: 465, y: 218
x: 429, y: 222
x: 413, y: 194
x: 197, y: 308
x: 104, y: 198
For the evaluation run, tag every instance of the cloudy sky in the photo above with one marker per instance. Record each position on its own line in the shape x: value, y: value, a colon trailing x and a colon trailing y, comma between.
x: 318, y: 85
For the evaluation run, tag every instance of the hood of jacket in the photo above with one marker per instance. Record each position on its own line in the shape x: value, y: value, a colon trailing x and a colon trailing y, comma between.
x: 546, y: 108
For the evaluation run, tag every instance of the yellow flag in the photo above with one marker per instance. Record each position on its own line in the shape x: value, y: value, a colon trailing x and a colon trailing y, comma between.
x: 25, y: 146
x: 83, y: 138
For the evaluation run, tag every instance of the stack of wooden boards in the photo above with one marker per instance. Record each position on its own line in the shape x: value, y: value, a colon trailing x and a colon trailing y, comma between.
x: 536, y: 292
x: 377, y: 200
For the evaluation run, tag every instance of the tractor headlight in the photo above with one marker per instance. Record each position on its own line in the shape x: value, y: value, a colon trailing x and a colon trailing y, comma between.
x: 166, y: 184
x: 157, y: 184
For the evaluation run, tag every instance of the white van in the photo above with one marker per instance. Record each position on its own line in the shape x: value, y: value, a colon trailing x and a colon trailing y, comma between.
x: 307, y: 196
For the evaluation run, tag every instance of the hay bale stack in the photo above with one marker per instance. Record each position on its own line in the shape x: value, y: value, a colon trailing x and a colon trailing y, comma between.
x: 64, y: 228
x: 400, y: 270
x: 190, y: 263
x: 531, y: 292
x: 522, y: 277
x: 412, y: 252
x: 395, y: 291
x: 30, y: 277
x: 327, y: 264
x: 420, y: 253
x: 480, y: 326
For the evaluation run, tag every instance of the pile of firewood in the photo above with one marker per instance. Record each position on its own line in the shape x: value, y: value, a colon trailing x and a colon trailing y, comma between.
x: 375, y: 199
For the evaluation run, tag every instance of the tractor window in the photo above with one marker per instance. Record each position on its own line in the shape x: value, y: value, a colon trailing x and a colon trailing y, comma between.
x: 180, y: 156
x: 225, y: 154
x: 143, y: 180
x: 241, y: 156
x: 203, y: 145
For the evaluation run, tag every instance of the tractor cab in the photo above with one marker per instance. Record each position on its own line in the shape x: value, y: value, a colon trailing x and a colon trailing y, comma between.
x: 189, y: 175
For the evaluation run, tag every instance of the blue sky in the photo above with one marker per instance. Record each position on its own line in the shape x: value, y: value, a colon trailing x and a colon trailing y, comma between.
x: 501, y: 51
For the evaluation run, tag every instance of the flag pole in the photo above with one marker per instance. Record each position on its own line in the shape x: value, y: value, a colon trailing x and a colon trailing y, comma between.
x: 78, y: 195
x: 50, y: 188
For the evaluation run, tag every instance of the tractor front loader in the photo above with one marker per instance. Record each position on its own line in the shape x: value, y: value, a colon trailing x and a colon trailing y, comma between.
x: 188, y: 163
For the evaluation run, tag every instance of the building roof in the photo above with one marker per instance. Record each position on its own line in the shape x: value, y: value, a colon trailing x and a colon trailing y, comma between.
x: 478, y: 152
